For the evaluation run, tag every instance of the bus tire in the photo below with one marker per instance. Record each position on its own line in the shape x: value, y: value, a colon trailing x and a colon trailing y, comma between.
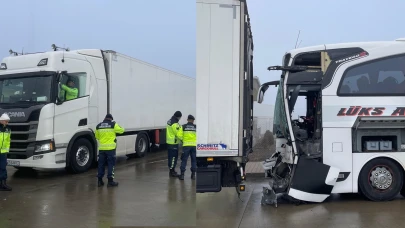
x: 141, y: 145
x: 381, y: 179
x: 81, y: 156
x: 403, y: 191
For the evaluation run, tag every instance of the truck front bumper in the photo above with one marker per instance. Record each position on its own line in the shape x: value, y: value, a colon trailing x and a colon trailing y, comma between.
x: 52, y: 160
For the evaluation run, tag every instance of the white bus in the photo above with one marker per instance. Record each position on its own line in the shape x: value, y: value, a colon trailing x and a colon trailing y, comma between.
x: 352, y: 138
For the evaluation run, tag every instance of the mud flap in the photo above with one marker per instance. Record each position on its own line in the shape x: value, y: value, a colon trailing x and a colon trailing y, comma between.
x: 312, y: 181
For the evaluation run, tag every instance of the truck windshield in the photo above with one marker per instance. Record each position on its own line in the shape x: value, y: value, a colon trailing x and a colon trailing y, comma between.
x: 280, y: 126
x: 29, y: 90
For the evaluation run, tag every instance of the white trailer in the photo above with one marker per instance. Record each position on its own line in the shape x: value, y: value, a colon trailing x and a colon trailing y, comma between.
x: 51, y: 132
x: 224, y: 93
x: 352, y: 139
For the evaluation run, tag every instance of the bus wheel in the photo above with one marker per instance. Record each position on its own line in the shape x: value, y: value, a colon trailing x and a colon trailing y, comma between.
x: 81, y: 156
x: 381, y: 179
x: 403, y: 191
x: 141, y: 145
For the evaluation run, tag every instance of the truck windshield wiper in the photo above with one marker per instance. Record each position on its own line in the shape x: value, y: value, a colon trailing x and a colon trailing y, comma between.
x: 25, y: 101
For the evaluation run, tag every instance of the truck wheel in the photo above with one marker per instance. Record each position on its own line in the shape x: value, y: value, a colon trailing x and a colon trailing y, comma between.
x: 381, y: 180
x: 141, y: 145
x: 81, y: 156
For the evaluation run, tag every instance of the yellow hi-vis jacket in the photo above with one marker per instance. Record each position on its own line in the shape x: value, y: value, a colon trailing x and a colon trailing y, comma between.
x: 71, y: 93
x: 174, y: 131
x: 189, y: 134
x: 106, y: 134
x: 5, y: 134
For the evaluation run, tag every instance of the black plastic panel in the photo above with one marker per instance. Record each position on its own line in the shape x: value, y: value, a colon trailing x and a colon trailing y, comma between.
x: 209, y: 179
x: 305, y: 78
x: 310, y: 175
x: 246, y: 130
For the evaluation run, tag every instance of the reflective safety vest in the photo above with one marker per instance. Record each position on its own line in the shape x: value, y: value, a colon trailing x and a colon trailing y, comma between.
x: 71, y: 93
x: 106, y: 134
x: 189, y: 134
x: 5, y: 139
x: 174, y: 131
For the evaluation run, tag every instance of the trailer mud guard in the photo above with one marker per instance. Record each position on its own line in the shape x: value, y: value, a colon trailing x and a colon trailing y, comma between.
x: 209, y: 179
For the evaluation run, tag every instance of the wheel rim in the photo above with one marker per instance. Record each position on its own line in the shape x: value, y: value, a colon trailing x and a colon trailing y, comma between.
x: 141, y: 145
x: 82, y: 156
x: 381, y: 178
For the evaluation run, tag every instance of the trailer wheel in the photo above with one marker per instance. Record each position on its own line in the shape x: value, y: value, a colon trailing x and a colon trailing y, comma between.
x: 381, y: 180
x: 141, y: 145
x: 81, y: 156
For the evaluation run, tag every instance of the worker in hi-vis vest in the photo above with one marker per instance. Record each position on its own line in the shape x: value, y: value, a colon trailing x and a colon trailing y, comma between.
x: 173, y: 137
x: 70, y: 90
x: 106, y: 135
x: 189, y: 147
x: 5, y: 139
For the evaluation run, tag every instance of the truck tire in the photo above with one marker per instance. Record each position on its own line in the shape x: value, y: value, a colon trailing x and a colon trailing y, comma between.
x: 141, y: 145
x: 81, y: 156
x: 381, y: 179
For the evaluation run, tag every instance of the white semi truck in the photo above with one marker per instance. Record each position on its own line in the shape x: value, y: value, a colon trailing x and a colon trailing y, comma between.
x: 352, y: 138
x: 49, y: 131
x: 224, y: 93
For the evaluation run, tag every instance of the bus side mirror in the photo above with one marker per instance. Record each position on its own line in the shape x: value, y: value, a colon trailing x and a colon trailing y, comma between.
x: 263, y: 88
x: 260, y: 95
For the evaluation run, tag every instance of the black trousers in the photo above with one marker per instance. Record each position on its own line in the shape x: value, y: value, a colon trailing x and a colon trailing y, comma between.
x: 173, y: 154
x: 192, y: 152
x: 3, y: 166
x: 106, y: 156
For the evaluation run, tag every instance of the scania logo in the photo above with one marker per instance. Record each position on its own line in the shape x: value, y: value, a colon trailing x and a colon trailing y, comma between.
x: 16, y: 114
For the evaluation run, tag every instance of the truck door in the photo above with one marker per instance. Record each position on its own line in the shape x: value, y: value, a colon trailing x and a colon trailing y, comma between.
x: 71, y: 114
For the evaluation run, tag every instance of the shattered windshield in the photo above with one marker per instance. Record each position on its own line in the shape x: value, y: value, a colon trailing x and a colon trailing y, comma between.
x: 280, y: 126
x: 32, y: 89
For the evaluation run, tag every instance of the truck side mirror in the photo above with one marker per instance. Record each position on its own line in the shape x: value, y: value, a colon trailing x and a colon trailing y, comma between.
x: 60, y: 75
x: 58, y: 101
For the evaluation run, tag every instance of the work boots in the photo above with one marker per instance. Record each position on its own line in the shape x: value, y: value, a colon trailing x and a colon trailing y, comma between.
x: 100, y: 182
x: 173, y: 173
x: 193, y: 175
x: 4, y: 186
x: 181, y: 177
x: 112, y: 183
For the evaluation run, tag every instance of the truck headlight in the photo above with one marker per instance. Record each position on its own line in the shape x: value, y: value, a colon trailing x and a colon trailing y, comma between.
x: 44, y: 147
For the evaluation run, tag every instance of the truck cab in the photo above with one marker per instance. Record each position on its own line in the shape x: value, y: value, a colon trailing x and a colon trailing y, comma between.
x: 48, y: 130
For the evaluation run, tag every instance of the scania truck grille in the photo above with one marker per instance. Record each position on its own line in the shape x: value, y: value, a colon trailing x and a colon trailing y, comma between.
x: 23, y: 137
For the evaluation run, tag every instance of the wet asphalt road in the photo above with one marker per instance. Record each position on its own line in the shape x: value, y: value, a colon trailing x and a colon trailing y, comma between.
x: 224, y: 209
x: 145, y: 196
